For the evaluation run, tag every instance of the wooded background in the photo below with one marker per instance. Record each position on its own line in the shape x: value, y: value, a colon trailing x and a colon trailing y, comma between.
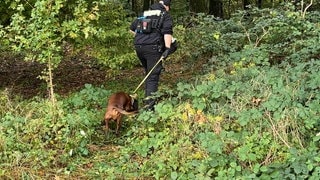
x: 218, y: 8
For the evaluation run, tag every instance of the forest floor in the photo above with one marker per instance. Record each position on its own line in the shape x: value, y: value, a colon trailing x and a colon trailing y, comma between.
x: 22, y: 78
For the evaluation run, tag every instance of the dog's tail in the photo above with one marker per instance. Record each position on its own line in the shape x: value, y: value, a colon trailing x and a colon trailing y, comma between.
x: 122, y: 111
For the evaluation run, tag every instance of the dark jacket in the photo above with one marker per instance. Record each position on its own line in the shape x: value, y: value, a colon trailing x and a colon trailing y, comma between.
x: 156, y: 37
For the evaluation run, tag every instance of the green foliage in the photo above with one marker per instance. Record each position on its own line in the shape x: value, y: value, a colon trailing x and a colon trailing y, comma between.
x: 42, y: 34
x: 254, y: 114
x: 34, y: 128
x: 112, y: 43
x: 50, y: 29
x: 257, y: 37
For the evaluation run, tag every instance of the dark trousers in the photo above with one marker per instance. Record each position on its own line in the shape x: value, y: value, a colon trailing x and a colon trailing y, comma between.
x: 149, y: 55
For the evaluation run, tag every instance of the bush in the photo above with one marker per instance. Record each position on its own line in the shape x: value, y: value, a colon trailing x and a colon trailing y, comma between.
x: 43, y: 137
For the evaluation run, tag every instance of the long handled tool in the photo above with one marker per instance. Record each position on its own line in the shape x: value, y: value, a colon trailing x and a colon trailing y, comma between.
x: 148, y: 74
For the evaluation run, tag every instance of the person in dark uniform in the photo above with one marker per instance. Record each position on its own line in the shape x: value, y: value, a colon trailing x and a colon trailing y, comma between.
x: 151, y: 46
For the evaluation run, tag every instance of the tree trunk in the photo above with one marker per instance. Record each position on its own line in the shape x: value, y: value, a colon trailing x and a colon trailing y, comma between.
x: 50, y: 83
x: 132, y: 5
x: 216, y: 8
x: 245, y: 4
x: 259, y: 4
x: 135, y: 6
x: 146, y: 4
x: 198, y: 6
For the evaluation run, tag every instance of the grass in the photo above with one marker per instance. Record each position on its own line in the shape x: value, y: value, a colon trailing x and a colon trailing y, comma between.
x: 70, y: 78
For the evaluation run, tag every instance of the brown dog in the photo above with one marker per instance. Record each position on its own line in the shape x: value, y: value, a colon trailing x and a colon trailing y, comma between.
x: 118, y: 104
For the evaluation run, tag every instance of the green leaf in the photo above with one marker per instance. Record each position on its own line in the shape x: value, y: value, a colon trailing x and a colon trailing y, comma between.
x: 264, y: 169
x: 174, y: 175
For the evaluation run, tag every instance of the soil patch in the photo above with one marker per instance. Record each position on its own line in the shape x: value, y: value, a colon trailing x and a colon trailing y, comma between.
x: 22, y: 78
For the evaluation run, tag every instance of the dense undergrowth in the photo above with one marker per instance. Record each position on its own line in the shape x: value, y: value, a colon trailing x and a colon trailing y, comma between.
x: 253, y: 114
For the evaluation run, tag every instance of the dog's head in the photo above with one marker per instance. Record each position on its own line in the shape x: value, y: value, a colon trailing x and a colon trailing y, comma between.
x: 134, y: 102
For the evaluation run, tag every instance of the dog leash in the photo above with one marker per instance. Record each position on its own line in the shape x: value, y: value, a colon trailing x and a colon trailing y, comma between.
x: 148, y: 75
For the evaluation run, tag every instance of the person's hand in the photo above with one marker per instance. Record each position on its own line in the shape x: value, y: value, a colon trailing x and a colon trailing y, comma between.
x: 165, y: 53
